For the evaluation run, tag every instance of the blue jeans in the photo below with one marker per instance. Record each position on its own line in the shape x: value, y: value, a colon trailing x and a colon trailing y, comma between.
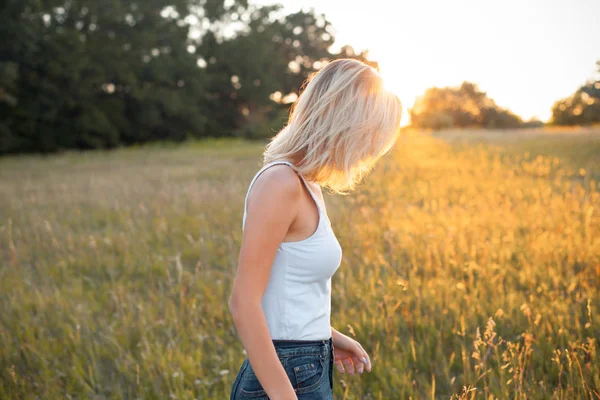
x: 309, y: 367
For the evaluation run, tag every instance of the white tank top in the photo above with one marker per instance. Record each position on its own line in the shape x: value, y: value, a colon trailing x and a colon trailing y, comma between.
x: 297, y: 300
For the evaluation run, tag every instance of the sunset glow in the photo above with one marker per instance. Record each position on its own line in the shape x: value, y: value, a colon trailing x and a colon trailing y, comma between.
x: 525, y: 55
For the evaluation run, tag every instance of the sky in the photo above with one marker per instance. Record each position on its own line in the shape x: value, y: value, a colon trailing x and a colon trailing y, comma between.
x: 525, y: 54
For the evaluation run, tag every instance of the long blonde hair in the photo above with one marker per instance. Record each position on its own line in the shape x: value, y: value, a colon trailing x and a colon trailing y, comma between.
x: 339, y: 126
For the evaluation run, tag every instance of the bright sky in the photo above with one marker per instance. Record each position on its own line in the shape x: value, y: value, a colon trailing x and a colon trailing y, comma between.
x: 525, y: 54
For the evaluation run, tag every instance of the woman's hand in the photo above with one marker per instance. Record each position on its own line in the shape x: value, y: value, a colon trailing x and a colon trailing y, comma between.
x: 350, y: 354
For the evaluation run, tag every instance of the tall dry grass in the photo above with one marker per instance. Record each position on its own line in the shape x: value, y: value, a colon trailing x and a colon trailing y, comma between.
x: 469, y: 271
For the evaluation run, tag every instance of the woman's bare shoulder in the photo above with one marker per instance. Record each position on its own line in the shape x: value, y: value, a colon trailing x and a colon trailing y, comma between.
x: 279, y: 182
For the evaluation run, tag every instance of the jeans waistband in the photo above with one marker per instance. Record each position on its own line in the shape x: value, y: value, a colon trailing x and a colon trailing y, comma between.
x: 322, y: 346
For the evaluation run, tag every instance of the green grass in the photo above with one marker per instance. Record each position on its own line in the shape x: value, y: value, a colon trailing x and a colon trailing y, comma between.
x: 466, y: 263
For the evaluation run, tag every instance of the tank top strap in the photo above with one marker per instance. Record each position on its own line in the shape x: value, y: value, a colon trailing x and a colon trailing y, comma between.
x: 265, y: 167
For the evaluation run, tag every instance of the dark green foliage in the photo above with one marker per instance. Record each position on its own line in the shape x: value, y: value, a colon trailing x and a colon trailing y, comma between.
x: 97, y: 75
x: 581, y: 108
x: 463, y: 106
x: 268, y: 56
x: 89, y: 74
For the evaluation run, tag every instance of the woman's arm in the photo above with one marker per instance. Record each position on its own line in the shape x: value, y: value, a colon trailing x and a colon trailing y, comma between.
x: 349, y: 353
x: 272, y: 207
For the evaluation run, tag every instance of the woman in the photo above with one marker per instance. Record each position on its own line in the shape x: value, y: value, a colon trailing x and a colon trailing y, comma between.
x: 281, y: 298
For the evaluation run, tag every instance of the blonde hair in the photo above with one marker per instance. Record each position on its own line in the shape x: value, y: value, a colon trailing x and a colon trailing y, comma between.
x: 339, y: 126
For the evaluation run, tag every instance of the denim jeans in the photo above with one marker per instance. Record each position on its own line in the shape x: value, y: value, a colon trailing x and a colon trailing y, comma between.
x: 309, y: 367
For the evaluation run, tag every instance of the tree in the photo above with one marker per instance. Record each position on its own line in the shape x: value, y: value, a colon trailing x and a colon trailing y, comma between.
x: 90, y: 74
x: 582, y: 107
x: 274, y: 53
x: 98, y: 74
x: 463, y: 106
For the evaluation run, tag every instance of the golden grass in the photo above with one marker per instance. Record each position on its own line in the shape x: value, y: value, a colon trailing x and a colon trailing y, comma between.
x: 470, y: 270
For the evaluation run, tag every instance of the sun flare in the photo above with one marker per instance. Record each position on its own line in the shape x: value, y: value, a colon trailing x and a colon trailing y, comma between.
x: 394, y: 82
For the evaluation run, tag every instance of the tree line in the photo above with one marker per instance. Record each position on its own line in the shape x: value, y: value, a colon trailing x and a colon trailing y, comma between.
x: 94, y: 74
x: 582, y: 107
x: 467, y: 106
x: 463, y: 106
x: 89, y: 74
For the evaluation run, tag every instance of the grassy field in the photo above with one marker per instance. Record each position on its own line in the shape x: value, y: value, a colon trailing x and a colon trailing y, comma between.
x: 471, y: 259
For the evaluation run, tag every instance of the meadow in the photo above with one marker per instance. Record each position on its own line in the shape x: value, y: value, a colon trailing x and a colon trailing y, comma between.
x: 471, y: 269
